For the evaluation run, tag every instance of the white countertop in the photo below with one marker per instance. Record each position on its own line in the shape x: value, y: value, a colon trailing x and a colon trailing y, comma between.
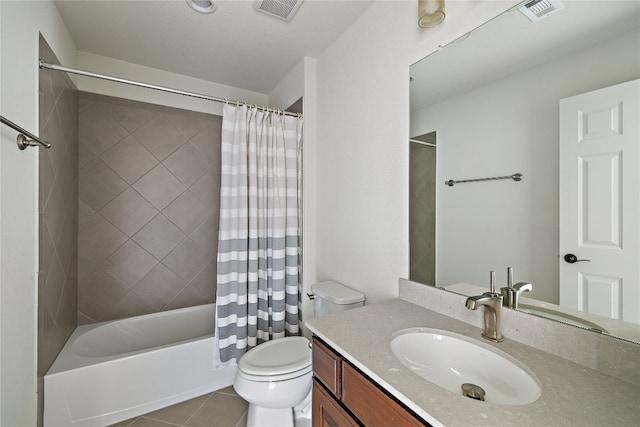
x: 572, y: 394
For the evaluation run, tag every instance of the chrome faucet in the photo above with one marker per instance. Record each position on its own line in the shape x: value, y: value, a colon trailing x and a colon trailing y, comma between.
x: 492, y: 303
x: 511, y: 293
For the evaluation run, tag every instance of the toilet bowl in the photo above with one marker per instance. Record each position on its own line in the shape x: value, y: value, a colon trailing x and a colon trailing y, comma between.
x: 275, y: 377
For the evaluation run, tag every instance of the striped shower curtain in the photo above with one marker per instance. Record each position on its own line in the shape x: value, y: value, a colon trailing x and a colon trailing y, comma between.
x: 260, y: 235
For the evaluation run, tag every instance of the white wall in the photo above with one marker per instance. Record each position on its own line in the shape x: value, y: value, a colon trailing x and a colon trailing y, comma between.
x: 507, y: 127
x: 362, y: 154
x: 127, y: 70
x: 291, y: 87
x: 21, y: 22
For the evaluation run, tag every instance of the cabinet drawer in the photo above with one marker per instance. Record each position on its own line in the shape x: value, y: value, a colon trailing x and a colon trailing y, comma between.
x: 326, y: 366
x: 370, y: 405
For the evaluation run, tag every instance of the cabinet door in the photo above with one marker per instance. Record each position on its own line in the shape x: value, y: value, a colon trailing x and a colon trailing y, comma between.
x: 371, y: 405
x: 327, y: 412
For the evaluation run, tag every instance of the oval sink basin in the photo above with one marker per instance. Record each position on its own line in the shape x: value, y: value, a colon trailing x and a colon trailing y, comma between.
x: 450, y: 360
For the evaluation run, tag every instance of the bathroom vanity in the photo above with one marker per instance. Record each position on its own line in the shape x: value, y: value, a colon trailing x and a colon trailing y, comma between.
x: 357, y: 377
x: 342, y: 394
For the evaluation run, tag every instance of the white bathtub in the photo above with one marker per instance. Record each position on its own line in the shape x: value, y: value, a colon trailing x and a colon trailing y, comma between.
x: 112, y: 371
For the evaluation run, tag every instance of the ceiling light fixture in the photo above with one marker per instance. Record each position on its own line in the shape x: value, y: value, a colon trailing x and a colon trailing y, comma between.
x: 202, y: 6
x: 430, y: 13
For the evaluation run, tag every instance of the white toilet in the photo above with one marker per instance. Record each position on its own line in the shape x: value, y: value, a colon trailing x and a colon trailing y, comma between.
x: 275, y: 377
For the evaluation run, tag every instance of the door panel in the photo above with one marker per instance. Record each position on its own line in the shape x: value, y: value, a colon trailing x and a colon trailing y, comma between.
x: 600, y: 201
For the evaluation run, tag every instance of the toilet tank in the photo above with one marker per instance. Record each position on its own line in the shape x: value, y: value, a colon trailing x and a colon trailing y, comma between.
x: 332, y: 297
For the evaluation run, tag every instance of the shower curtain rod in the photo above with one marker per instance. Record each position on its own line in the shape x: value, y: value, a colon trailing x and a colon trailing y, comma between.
x: 48, y: 66
x: 417, y: 141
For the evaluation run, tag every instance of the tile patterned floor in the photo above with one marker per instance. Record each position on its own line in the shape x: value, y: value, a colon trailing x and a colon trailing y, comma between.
x: 222, y: 408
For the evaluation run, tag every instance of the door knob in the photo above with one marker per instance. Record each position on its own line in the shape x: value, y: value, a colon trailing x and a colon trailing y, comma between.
x: 572, y: 259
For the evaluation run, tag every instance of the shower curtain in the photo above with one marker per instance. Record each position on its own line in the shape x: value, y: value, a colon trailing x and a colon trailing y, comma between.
x: 260, y: 235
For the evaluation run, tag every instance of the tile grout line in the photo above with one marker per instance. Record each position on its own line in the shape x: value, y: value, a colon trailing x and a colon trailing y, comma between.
x: 158, y: 420
x: 199, y: 407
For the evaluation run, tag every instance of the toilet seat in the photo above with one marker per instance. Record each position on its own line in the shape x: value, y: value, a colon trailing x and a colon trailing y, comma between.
x: 277, y: 360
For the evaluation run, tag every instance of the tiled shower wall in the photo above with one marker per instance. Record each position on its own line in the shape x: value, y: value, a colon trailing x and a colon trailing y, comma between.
x: 422, y: 213
x: 58, y: 215
x: 149, y: 185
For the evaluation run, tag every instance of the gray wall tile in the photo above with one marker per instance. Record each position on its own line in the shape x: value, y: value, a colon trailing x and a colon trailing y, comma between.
x: 187, y: 164
x: 129, y: 159
x: 160, y: 137
x: 187, y: 259
x: 129, y: 211
x: 159, y: 286
x: 98, y: 239
x: 187, y: 212
x: 129, y: 264
x: 58, y: 219
x: 98, y: 184
x: 98, y: 130
x: 140, y: 197
x: 422, y: 214
x: 159, y: 236
x: 159, y: 186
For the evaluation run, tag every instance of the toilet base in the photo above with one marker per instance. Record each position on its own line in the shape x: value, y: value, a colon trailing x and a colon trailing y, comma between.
x: 302, y: 412
x: 259, y: 416
x: 298, y: 416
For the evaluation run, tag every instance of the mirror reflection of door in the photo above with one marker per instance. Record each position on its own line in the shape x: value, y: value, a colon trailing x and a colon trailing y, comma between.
x: 600, y: 203
x: 422, y: 208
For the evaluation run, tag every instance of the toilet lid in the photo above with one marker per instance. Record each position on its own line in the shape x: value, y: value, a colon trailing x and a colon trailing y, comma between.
x: 276, y: 357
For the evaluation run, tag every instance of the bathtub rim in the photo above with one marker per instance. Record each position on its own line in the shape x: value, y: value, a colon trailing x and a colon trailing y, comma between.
x: 68, y: 360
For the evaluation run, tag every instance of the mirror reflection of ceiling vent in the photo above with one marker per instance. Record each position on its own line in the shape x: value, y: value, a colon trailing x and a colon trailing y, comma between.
x: 283, y: 9
x: 536, y: 10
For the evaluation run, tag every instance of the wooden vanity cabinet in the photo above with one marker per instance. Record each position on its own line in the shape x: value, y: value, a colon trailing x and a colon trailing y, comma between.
x: 327, y: 412
x: 344, y: 396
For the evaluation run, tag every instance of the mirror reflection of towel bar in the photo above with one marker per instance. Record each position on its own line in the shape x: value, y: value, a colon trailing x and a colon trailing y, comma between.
x: 515, y: 177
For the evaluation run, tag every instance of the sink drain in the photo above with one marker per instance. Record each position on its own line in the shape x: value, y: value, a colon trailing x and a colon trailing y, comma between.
x: 473, y: 391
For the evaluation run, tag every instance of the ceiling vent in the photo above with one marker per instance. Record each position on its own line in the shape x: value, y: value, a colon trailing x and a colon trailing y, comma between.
x: 283, y: 9
x: 538, y: 9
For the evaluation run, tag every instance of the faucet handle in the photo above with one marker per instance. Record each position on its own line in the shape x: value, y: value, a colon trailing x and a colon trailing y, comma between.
x: 509, y: 277
x: 492, y: 282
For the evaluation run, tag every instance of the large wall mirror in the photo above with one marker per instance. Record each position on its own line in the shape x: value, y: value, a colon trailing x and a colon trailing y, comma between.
x: 555, y: 100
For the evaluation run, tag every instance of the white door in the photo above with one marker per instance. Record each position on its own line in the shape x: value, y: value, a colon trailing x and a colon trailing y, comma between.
x: 600, y: 202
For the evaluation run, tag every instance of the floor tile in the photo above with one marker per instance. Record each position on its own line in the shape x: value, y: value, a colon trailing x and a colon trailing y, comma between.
x: 126, y: 423
x: 221, y: 410
x: 147, y: 422
x: 180, y: 412
x: 228, y: 390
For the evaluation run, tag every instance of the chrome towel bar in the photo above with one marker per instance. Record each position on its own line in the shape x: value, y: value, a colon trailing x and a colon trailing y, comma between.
x: 515, y: 177
x: 25, y: 138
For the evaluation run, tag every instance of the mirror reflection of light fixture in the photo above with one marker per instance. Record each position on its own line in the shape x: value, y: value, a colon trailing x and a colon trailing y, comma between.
x: 430, y: 13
